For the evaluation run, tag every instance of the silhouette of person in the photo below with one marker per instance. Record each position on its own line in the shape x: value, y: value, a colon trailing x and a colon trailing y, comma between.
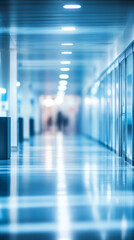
x: 59, y: 121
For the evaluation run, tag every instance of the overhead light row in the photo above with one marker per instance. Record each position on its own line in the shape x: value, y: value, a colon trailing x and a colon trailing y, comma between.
x: 63, y: 77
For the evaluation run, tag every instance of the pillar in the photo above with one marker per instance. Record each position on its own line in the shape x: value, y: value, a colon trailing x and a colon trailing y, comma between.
x: 9, y: 81
x: 25, y: 105
x: 37, y: 113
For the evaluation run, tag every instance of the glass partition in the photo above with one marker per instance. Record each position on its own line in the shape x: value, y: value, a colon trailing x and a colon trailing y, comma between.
x: 111, y: 107
x: 109, y: 96
x: 129, y: 71
x: 113, y: 115
x: 105, y: 111
x: 102, y: 130
x: 117, y: 109
x: 123, y: 101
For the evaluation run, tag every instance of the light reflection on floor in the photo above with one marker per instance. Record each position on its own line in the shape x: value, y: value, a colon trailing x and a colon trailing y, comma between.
x: 66, y: 188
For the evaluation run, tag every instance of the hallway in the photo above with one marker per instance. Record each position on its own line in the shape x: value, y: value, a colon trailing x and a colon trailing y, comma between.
x: 59, y: 187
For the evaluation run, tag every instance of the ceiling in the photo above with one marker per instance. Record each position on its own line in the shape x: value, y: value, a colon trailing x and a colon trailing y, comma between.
x: 35, y: 25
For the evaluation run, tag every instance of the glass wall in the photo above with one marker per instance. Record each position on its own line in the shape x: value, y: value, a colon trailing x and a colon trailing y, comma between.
x: 123, y: 112
x: 129, y: 77
x: 111, y: 100
x: 105, y: 111
x: 117, y: 109
x: 102, y: 107
x: 113, y: 115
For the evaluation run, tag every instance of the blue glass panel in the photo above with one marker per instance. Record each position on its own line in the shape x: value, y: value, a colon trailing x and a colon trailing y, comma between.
x: 117, y: 108
x: 123, y: 106
x: 129, y: 71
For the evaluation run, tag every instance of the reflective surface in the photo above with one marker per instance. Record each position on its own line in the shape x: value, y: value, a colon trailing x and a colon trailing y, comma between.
x: 129, y: 81
x: 66, y: 188
x: 123, y: 107
x: 113, y: 115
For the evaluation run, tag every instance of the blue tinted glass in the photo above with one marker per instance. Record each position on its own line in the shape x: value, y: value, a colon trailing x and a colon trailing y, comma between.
x: 117, y: 109
x: 113, y: 115
x: 123, y: 105
x: 129, y: 105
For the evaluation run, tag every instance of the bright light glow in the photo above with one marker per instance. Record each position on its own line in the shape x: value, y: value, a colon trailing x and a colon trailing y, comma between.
x: 63, y: 76
x: 68, y: 28
x: 75, y: 6
x: 109, y: 92
x: 18, y: 84
x: 117, y: 85
x: 65, y: 62
x: 62, y: 88
x: 63, y: 82
x: 48, y: 102
x: 94, y: 101
x: 60, y: 94
x: 87, y: 100
x: 94, y: 90
x: 124, y: 223
x: 97, y: 84
x: 59, y: 100
x: 67, y: 44
x: 66, y: 52
x: 3, y: 90
x: 65, y: 69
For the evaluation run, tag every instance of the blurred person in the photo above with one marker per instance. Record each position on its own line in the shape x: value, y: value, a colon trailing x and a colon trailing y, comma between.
x: 65, y: 123
x: 49, y: 123
x: 59, y: 121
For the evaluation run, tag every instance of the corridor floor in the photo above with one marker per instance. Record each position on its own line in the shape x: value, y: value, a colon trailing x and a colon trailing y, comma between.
x: 66, y: 188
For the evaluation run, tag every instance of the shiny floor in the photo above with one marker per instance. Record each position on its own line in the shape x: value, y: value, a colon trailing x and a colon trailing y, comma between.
x: 66, y: 188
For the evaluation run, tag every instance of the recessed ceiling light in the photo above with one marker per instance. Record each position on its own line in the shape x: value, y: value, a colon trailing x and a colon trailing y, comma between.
x: 67, y: 44
x: 65, y: 69
x: 63, y: 76
x: 65, y: 62
x: 66, y: 52
x: 68, y: 28
x: 75, y: 6
x: 62, y: 88
x: 63, y: 82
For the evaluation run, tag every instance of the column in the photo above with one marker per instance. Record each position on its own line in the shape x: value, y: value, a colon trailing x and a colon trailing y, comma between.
x: 25, y: 105
x: 37, y: 113
x: 9, y: 82
x: 13, y: 94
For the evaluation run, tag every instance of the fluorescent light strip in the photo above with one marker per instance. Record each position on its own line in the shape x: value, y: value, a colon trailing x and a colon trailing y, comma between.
x: 63, y: 76
x: 65, y: 69
x: 68, y: 28
x: 66, y: 52
x: 62, y: 87
x: 65, y: 62
x: 63, y: 82
x: 75, y: 6
x: 67, y: 44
